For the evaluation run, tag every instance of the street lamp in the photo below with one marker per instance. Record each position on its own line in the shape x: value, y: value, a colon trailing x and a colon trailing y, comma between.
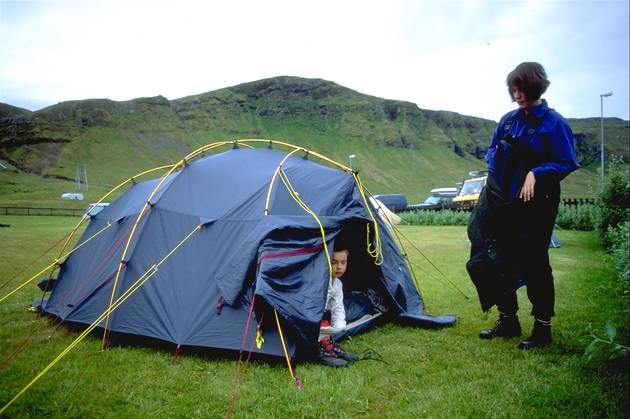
x: 601, y: 98
x: 350, y: 157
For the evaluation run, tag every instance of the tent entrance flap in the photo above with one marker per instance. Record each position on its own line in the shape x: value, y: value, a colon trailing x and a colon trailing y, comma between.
x: 293, y: 275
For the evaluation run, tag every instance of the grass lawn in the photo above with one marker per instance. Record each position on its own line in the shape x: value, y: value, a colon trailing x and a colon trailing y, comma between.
x: 429, y: 373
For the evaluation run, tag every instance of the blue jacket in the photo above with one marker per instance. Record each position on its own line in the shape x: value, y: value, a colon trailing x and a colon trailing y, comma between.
x: 540, y: 141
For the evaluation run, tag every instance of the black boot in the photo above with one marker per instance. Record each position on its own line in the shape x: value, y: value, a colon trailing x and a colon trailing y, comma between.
x: 326, y: 354
x: 506, y: 327
x: 346, y: 356
x: 541, y: 336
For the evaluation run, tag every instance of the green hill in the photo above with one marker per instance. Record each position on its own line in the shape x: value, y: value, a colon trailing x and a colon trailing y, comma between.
x: 399, y: 147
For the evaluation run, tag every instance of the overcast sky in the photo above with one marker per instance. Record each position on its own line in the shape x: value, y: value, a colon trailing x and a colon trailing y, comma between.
x: 442, y: 55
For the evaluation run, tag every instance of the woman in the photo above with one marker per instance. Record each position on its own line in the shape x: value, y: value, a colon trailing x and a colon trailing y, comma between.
x: 532, y: 150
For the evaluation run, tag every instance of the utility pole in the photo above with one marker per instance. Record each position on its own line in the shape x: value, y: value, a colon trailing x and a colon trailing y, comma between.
x: 601, y: 154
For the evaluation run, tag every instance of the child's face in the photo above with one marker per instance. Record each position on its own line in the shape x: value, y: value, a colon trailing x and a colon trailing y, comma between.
x: 339, y: 263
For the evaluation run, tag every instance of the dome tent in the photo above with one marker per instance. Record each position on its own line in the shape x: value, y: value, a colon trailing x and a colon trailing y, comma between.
x: 231, y: 249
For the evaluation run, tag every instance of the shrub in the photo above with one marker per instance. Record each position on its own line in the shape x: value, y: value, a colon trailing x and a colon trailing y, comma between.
x: 580, y: 218
x: 613, y: 200
x: 620, y: 249
x: 445, y: 217
x: 606, y: 348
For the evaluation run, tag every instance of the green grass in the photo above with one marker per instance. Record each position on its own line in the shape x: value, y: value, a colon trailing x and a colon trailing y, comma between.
x: 429, y: 373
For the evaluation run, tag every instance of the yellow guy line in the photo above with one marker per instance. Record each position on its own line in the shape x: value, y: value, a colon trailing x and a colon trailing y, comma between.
x: 406, y: 256
x: 284, y: 347
x: 133, y: 288
x: 61, y: 256
x: 56, y: 262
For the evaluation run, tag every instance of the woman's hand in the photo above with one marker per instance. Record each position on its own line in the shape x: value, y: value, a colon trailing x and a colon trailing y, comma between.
x: 527, y: 191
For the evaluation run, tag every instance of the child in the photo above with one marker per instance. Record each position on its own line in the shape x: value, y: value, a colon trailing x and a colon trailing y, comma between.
x: 330, y: 353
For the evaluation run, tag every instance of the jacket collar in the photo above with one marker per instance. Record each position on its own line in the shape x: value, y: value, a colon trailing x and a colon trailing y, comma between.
x: 538, y: 111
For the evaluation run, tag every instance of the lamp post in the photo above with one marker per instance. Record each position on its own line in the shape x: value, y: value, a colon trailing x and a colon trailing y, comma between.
x: 350, y: 158
x: 601, y: 98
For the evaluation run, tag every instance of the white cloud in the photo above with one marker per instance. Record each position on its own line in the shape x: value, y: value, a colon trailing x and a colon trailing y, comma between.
x: 450, y: 55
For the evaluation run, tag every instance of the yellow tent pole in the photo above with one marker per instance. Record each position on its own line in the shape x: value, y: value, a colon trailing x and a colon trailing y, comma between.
x: 303, y: 205
x: 273, y: 178
x: 310, y: 152
x: 131, y: 235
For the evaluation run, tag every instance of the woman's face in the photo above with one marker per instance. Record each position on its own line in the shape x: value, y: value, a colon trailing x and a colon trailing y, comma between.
x: 522, y: 101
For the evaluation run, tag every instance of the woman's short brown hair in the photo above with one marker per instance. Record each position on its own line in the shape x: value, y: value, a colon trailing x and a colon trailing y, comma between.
x: 530, y: 78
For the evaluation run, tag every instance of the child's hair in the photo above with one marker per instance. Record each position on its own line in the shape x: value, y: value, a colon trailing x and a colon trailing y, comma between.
x: 340, y: 245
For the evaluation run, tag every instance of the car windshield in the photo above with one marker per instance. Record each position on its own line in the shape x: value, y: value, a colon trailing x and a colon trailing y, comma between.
x: 472, y: 187
x: 432, y: 200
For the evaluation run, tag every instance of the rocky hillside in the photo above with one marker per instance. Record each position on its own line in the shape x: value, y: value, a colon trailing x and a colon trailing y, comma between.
x: 399, y: 147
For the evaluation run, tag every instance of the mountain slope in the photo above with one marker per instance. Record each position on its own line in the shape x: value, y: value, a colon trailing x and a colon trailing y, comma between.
x: 398, y: 146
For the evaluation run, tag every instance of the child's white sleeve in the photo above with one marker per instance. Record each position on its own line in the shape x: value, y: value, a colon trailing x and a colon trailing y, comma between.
x: 337, y: 311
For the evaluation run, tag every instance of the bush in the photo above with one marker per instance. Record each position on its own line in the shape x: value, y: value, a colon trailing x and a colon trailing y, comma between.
x: 435, y: 218
x: 580, y: 218
x: 613, y: 200
x: 606, y: 348
x: 620, y: 249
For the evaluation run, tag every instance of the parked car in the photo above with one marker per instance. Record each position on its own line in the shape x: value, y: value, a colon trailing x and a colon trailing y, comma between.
x: 470, y: 190
x: 72, y: 196
x: 440, y: 198
x: 395, y: 202
x: 433, y: 202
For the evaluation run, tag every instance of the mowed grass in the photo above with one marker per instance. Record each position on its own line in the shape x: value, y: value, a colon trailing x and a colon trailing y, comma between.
x: 442, y: 373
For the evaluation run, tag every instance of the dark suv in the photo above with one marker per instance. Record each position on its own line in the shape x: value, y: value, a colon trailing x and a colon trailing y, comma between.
x: 433, y: 202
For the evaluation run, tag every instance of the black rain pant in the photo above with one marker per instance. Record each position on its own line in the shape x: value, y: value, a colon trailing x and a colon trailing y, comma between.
x: 510, y: 243
x: 538, y: 217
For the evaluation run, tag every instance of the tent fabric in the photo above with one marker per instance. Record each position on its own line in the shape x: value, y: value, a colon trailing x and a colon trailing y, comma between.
x: 201, y: 290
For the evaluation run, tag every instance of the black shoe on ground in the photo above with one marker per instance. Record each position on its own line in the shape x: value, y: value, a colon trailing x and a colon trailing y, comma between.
x: 332, y: 361
x: 540, y: 337
x: 346, y: 356
x: 326, y: 354
x: 505, y: 327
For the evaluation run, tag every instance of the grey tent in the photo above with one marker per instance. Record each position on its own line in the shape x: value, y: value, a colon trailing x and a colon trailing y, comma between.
x: 228, y: 247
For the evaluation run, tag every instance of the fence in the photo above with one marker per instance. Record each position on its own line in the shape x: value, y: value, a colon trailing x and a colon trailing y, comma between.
x: 578, y: 202
x: 74, y: 212
x: 71, y: 212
